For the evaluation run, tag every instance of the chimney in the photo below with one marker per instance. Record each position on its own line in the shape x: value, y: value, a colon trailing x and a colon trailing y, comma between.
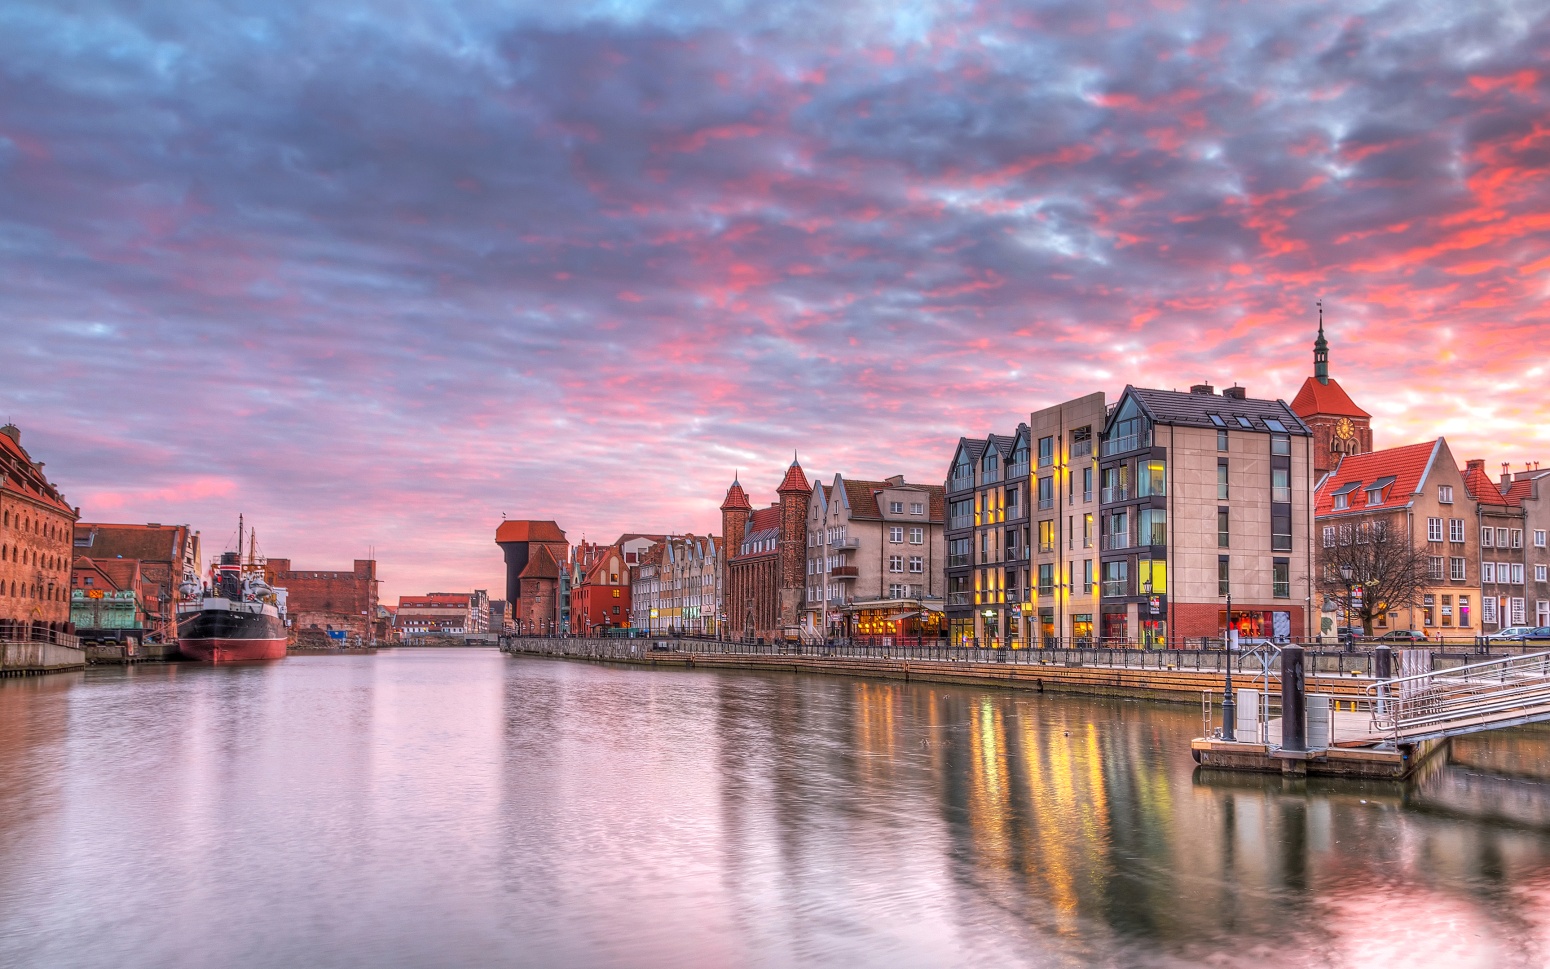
x: 895, y: 481
x: 1203, y: 389
x: 1475, y: 464
x: 1506, y: 474
x: 1236, y: 392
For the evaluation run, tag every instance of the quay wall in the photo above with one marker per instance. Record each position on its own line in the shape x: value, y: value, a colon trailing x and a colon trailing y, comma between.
x: 1063, y: 671
x: 17, y: 659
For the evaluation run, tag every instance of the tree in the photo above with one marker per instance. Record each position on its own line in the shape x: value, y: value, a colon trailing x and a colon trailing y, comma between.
x: 1368, y: 572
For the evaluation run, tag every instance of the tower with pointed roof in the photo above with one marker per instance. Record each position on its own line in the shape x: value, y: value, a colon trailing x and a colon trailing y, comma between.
x: 1339, y: 426
x: 763, y: 580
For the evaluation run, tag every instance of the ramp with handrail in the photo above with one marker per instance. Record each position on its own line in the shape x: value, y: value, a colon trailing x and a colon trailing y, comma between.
x: 1469, y: 699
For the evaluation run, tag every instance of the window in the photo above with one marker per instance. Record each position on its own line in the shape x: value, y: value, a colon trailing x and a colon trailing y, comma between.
x: 1445, y: 494
x: 1342, y: 501
x: 1279, y: 443
x: 1487, y: 571
x: 1128, y: 435
x: 1434, y: 529
x: 898, y: 591
x: 1046, y: 493
x: 1434, y: 567
x: 1456, y: 568
x: 1447, y: 610
x: 917, y: 564
x: 1152, y: 577
x: 1221, y: 435
x: 1275, y: 425
x: 960, y: 513
x: 1456, y: 530
x: 1539, y: 573
x: 1281, y: 484
x: 896, y: 534
x: 896, y: 563
x: 1429, y: 610
x: 1151, y: 479
x: 917, y: 536
x: 1281, y: 528
x: 1517, y: 612
x: 1281, y: 579
x: 1517, y: 573
x: 1087, y: 531
x: 1046, y: 536
x: 1501, y: 538
x: 1517, y: 538
x: 1154, y: 526
x: 1539, y: 538
x: 1245, y: 423
x: 919, y: 507
x: 1082, y: 442
x: 1046, y: 579
x: 1463, y: 610
x: 1486, y: 535
x: 1503, y: 572
x: 1046, y: 451
x: 1221, y: 479
x: 1087, y: 576
x: 1488, y: 610
x: 1087, y: 489
x: 1223, y: 576
x: 1116, y: 483
x: 1119, y: 530
x: 1217, y: 420
x: 895, y: 507
x: 1329, y: 536
x: 1116, y: 579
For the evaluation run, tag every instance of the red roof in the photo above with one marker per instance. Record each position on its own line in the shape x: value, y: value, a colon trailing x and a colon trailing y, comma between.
x: 529, y: 531
x: 736, y: 498
x: 1330, y: 398
x: 1482, y: 488
x: 540, y: 565
x: 18, y: 474
x: 434, y: 599
x: 764, y: 519
x: 795, y: 480
x: 1406, y: 465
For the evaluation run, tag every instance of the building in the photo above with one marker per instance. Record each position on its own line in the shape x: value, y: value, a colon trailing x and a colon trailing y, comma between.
x: 1339, y: 427
x: 329, y: 600
x: 764, y: 586
x: 875, y: 559
x: 36, y: 525
x: 168, y: 556
x: 1415, y: 494
x: 536, y: 589
x: 599, y: 589
x: 1514, y: 515
x: 676, y: 586
x: 986, y: 536
x: 497, y: 620
x: 1061, y: 587
x: 439, y: 614
x: 108, y: 600
x: 1204, y: 497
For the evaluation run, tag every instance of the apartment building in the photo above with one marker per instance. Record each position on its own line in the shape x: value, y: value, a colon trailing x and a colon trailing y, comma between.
x: 1415, y: 493
x: 1513, y: 563
x: 36, y: 524
x: 676, y: 587
x: 1205, y: 499
x: 1063, y: 592
x: 987, y: 535
x: 874, y: 563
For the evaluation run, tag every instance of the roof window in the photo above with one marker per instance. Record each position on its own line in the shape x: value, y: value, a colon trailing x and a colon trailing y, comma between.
x: 1217, y: 420
x: 1245, y: 422
x: 1275, y: 425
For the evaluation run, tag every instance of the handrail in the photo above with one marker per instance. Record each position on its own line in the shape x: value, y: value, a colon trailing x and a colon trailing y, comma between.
x: 1453, y: 671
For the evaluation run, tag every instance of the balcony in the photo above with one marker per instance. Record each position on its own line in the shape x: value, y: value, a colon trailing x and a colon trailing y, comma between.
x: 1113, y: 494
x: 1116, y: 542
x: 1116, y: 588
x: 959, y: 561
x: 958, y: 598
x: 961, y: 521
x: 845, y: 544
x: 844, y: 572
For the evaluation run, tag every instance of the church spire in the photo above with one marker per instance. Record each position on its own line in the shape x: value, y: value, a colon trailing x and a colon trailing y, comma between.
x: 1321, y: 351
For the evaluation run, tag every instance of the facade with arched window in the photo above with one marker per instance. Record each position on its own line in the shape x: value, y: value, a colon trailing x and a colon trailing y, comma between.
x: 36, y: 530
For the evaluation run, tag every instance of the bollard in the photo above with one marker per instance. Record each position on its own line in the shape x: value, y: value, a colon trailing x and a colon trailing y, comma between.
x: 1383, y: 663
x: 1294, y: 700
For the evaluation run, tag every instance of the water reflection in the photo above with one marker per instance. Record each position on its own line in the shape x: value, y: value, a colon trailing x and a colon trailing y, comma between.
x: 462, y: 808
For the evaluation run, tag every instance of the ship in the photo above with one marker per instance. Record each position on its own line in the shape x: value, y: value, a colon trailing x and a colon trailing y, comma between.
x: 237, y: 616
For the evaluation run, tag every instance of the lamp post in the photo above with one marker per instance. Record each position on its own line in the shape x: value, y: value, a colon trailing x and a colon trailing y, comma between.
x: 1146, y: 589
x: 1346, y: 575
x: 1229, y: 705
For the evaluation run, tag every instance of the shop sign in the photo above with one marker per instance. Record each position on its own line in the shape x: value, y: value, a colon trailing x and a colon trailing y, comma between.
x: 1154, y: 603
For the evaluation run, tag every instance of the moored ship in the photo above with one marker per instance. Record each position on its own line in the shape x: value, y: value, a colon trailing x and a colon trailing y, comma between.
x: 238, y: 616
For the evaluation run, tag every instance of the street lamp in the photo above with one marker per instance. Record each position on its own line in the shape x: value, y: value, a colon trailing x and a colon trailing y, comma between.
x: 1229, y: 705
x: 1146, y: 589
x: 1346, y: 575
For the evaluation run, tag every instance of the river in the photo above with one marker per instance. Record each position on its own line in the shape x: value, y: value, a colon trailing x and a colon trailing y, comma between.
x: 452, y: 807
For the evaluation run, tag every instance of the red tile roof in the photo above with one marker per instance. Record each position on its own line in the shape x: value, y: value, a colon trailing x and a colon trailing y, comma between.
x: 1406, y: 465
x: 540, y: 565
x: 529, y: 531
x: 736, y: 498
x: 764, y: 519
x: 1483, y: 489
x: 1330, y: 398
x: 150, y: 543
x: 795, y: 480
x: 18, y: 474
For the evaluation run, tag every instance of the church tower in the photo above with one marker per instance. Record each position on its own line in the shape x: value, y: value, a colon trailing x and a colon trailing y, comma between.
x: 1339, y: 426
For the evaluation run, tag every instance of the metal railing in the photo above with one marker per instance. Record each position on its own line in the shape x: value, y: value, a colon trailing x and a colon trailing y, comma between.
x: 22, y: 631
x: 1463, y: 699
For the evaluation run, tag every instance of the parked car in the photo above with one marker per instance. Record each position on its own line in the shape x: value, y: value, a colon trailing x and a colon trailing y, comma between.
x: 1520, y: 633
x: 1401, y: 636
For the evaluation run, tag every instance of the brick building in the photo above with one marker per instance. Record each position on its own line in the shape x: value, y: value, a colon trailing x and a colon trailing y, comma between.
x: 168, y: 556
x: 36, y: 526
x: 1514, y: 566
x: 766, y: 549
x: 536, y: 596
x: 322, y: 600
x: 440, y: 614
x: 599, y: 588
x: 109, y: 600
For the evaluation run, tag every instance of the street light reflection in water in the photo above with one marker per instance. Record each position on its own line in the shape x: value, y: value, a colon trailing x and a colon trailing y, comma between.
x: 463, y: 808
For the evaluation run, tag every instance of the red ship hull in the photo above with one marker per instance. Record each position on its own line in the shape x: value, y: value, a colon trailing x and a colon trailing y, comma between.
x: 231, y: 650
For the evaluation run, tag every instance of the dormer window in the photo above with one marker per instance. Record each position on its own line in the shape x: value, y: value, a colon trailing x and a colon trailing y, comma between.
x: 1341, y: 503
x: 1342, y: 498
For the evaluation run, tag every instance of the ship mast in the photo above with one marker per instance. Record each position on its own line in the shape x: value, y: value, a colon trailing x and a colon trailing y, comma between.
x: 252, y: 548
x: 239, y: 538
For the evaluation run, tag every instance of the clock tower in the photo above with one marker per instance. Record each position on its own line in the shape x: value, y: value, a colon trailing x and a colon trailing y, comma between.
x: 1339, y: 426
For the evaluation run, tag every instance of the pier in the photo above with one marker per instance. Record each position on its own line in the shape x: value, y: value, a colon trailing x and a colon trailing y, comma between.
x: 29, y: 648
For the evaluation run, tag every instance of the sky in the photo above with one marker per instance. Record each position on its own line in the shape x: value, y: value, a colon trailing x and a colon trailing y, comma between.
x: 376, y: 274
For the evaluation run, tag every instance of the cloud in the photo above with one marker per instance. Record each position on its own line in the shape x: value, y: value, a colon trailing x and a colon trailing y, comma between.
x: 391, y: 270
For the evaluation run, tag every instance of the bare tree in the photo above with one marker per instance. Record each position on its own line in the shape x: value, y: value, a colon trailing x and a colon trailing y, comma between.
x: 1368, y: 573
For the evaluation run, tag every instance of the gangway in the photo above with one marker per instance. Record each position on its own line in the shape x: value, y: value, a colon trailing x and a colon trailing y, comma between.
x: 1463, y: 700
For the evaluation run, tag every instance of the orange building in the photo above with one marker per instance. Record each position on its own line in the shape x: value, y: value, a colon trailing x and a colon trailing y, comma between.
x: 35, y: 535
x: 600, y: 589
x: 536, y: 552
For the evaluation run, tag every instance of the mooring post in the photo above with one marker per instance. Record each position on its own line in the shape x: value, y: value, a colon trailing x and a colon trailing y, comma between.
x: 1382, y: 671
x: 1294, y: 700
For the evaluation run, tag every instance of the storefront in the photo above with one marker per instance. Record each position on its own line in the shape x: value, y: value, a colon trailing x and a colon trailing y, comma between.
x: 1082, y: 628
x: 1116, y: 627
x: 1259, y: 623
x: 901, y: 620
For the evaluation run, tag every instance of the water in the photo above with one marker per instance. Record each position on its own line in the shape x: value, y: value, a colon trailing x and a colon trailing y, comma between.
x: 464, y: 808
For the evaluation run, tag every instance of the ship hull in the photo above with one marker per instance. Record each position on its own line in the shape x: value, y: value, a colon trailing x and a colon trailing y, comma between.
x: 231, y: 635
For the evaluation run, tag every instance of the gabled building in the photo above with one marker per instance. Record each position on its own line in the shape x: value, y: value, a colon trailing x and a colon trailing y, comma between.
x: 537, y: 586
x: 763, y: 586
x: 874, y: 560
x: 36, y: 525
x: 108, y: 599
x: 1514, y: 515
x: 167, y: 557
x: 987, y: 540
x: 676, y: 587
x: 599, y: 589
x: 1416, y: 494
x: 1204, y: 496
